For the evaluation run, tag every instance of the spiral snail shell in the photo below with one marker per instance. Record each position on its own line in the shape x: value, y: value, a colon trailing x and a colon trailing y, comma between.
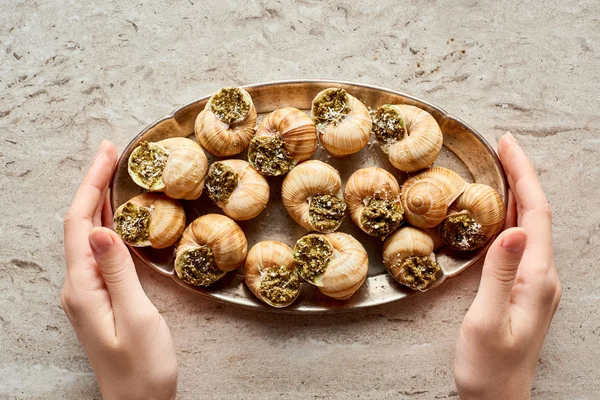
x: 150, y: 219
x: 476, y: 215
x: 210, y: 246
x: 427, y: 196
x: 312, y: 195
x: 226, y: 125
x: 408, y: 257
x: 410, y: 136
x: 344, y: 123
x: 269, y: 273
x: 284, y: 138
x: 334, y: 262
x: 240, y: 191
x: 373, y: 198
x: 175, y: 166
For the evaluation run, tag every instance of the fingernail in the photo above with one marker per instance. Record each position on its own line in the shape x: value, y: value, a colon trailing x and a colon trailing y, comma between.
x: 514, y: 243
x: 511, y: 138
x: 100, y: 241
x: 101, y: 148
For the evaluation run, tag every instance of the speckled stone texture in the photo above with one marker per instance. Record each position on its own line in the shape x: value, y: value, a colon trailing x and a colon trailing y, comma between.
x: 73, y: 73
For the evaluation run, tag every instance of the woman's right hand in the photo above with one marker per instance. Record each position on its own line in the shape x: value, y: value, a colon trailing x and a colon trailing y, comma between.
x: 502, y: 334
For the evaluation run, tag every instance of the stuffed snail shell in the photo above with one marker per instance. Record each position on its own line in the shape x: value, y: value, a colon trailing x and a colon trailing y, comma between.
x: 240, y: 191
x: 283, y: 139
x: 226, y: 125
x: 210, y: 246
x: 269, y: 273
x: 344, y: 123
x: 476, y: 215
x: 410, y: 136
x: 427, y: 196
x: 408, y: 257
x: 312, y: 195
x: 373, y: 198
x: 175, y: 166
x: 334, y: 262
x: 150, y: 219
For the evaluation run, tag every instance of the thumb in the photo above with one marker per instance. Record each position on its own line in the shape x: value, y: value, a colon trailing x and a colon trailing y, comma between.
x: 117, y: 269
x: 499, y: 273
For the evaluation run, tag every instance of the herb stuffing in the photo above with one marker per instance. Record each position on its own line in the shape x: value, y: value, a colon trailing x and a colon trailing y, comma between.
x: 148, y: 161
x: 388, y: 125
x: 330, y: 108
x: 229, y: 105
x: 461, y: 232
x: 380, y: 217
x: 312, y: 254
x: 268, y: 156
x: 419, y: 272
x: 132, y: 222
x: 220, y: 182
x: 326, y: 212
x: 197, y: 267
x: 279, y: 284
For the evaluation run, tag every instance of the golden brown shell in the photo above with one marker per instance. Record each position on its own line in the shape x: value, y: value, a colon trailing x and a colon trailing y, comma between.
x: 427, y: 195
x: 420, y: 145
x: 351, y: 134
x: 295, y: 128
x: 261, y: 257
x: 167, y: 219
x: 305, y: 181
x: 184, y: 171
x: 405, y: 242
x: 222, y: 139
x: 250, y: 196
x: 224, y: 237
x: 372, y: 182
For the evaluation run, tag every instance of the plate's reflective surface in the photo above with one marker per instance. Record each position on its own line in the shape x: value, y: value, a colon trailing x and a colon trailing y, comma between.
x: 465, y: 151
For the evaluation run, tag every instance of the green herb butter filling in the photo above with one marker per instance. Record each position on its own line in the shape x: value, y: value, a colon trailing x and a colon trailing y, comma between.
x: 388, y: 125
x: 197, y: 267
x: 380, y: 217
x: 312, y: 254
x: 229, y: 105
x: 419, y: 272
x: 132, y: 222
x: 330, y: 108
x: 268, y: 156
x: 220, y: 182
x: 148, y: 161
x: 279, y: 284
x: 326, y: 212
x: 461, y: 232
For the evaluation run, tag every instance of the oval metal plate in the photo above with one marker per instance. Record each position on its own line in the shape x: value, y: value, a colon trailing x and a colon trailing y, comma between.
x: 465, y: 151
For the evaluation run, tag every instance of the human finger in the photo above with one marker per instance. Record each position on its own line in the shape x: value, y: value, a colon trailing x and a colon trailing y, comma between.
x: 511, y: 211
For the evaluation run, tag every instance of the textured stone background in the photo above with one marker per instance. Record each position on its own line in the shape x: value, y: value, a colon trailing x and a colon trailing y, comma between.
x: 72, y: 74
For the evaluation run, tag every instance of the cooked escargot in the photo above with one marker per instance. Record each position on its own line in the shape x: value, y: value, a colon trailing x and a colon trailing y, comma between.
x: 270, y: 274
x: 373, y: 198
x: 427, y: 196
x: 342, y: 120
x: 227, y: 123
x: 410, y: 136
x: 408, y: 257
x: 334, y: 262
x: 150, y: 219
x: 210, y: 246
x: 312, y: 195
x: 240, y: 191
x: 175, y: 166
x: 476, y: 215
x: 284, y: 138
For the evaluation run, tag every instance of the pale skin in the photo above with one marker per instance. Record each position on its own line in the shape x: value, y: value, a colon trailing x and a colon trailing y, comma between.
x: 131, y: 351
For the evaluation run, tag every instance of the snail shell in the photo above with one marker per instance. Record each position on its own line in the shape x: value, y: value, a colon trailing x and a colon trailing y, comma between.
x: 476, y: 215
x: 343, y: 121
x: 240, y: 191
x: 175, y: 166
x: 408, y: 257
x: 210, y: 246
x: 226, y: 125
x: 427, y: 196
x: 270, y: 274
x: 373, y: 198
x: 410, y: 136
x: 284, y: 138
x: 150, y: 219
x: 312, y: 195
x: 334, y: 262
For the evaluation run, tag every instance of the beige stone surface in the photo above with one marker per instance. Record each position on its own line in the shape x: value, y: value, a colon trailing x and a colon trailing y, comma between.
x: 75, y: 72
